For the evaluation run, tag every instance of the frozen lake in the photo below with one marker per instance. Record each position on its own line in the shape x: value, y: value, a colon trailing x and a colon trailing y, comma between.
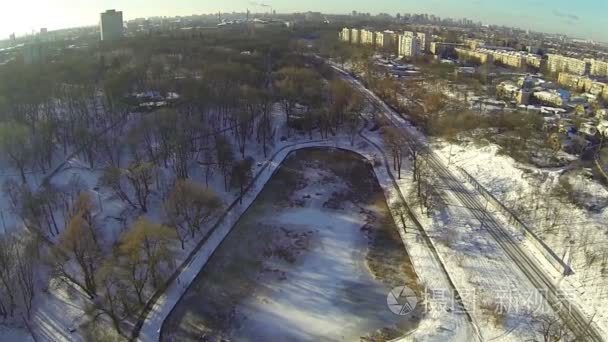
x: 312, y: 259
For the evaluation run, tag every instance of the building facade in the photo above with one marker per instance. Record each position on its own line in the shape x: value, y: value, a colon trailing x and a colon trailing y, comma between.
x: 582, y: 83
x: 386, y: 40
x: 440, y: 48
x: 345, y: 35
x: 408, y: 45
x: 480, y: 56
x: 35, y: 53
x: 507, y: 58
x: 598, y: 68
x: 368, y: 37
x: 473, y: 44
x: 552, y: 98
x: 111, y: 25
x: 559, y: 63
x: 355, y: 36
x: 424, y: 40
x: 380, y: 39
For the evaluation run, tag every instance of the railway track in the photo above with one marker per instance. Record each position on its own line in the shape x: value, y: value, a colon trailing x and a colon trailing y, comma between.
x: 571, y: 315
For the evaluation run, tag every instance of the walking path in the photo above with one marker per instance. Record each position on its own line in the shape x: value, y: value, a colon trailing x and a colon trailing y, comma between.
x: 439, y: 324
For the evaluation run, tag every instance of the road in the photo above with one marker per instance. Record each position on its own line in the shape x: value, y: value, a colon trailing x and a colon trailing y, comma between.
x: 570, y: 314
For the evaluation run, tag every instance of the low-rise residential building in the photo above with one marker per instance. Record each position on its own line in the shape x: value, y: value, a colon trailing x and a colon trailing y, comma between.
x: 523, y: 97
x: 507, y: 90
x: 511, y: 91
x: 559, y: 63
x: 551, y: 97
x: 530, y: 82
x: 602, y: 128
x: 473, y: 44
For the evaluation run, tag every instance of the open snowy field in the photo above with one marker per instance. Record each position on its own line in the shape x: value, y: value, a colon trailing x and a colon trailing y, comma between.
x: 567, y: 209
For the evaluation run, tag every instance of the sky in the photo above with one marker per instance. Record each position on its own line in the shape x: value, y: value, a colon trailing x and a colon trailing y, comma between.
x: 579, y: 18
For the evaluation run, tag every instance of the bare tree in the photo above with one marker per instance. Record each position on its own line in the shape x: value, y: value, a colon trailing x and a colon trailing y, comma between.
x: 209, y: 163
x: 140, y: 177
x: 26, y: 257
x: 77, y: 246
x: 414, y: 151
x: 189, y: 207
x: 18, y: 256
x: 224, y: 157
x: 15, y: 144
x: 242, y: 174
x: 396, y: 143
x: 149, y: 243
x: 112, y: 302
x: 113, y: 180
x: 356, y: 103
x: 551, y: 328
x: 9, y: 287
x: 265, y: 130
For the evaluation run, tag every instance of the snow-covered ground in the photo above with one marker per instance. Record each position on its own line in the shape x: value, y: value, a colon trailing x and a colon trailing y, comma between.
x: 567, y: 287
x: 59, y: 310
x: 301, y: 272
x: 439, y: 324
x: 473, y: 263
x: 575, y: 232
x: 10, y: 333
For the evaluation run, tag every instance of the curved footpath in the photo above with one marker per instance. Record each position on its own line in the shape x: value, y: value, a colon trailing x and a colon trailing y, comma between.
x: 436, y: 325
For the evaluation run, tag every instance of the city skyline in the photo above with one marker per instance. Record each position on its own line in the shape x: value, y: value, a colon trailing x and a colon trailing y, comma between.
x: 582, y: 19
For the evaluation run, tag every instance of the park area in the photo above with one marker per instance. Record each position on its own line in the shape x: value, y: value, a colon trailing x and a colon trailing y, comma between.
x: 313, y: 258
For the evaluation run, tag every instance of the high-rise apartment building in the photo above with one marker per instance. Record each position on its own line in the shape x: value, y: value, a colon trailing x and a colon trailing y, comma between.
x: 368, y: 37
x: 355, y: 36
x: 424, y: 40
x: 35, y: 52
x: 386, y: 40
x: 345, y: 35
x: 111, y: 25
x: 408, y: 45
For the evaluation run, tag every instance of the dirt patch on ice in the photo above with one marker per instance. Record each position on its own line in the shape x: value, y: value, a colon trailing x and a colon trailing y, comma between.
x: 312, y: 259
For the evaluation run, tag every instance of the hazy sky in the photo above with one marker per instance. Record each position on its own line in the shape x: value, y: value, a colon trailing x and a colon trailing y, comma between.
x: 581, y: 18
